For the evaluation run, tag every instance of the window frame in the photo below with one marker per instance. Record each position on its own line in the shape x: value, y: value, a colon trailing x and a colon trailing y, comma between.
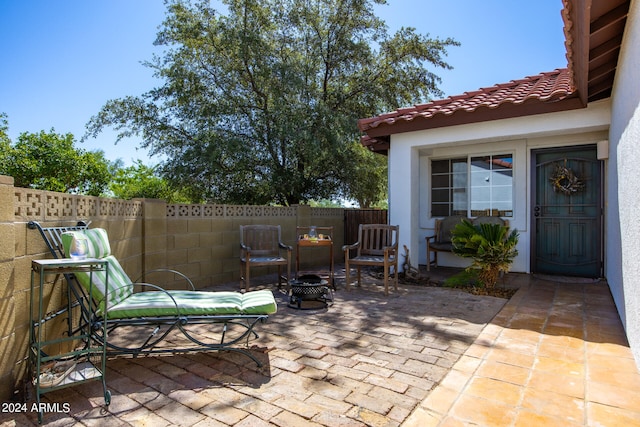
x: 438, y: 174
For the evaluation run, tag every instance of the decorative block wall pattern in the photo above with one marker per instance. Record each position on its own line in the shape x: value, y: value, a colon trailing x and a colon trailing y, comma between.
x: 226, y: 211
x: 201, y: 241
x: 41, y: 205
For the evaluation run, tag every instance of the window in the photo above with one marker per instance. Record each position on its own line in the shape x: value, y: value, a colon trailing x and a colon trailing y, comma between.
x: 472, y: 186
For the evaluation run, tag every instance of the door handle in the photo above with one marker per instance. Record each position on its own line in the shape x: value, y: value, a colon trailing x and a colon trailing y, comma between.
x: 536, y: 211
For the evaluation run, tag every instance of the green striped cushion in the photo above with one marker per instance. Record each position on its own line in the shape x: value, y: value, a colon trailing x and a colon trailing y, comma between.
x: 119, y: 284
x: 258, y: 302
x: 97, y: 240
x: 122, y: 303
x: 193, y: 303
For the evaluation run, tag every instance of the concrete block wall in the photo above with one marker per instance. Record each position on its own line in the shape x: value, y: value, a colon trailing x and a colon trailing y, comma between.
x: 204, y: 240
x: 123, y: 220
x: 9, y: 351
x: 201, y: 241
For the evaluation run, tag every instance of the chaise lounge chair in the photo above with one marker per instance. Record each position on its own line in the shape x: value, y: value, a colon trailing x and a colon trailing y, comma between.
x: 153, y: 308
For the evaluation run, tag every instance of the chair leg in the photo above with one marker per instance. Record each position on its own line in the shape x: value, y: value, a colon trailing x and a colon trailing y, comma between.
x: 435, y: 258
x: 386, y: 279
x: 395, y: 283
x: 242, y: 283
x: 282, y: 280
x: 288, y: 272
x: 347, y: 274
x: 359, y: 275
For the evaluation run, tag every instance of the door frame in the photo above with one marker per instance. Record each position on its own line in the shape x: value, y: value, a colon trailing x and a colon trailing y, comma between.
x: 532, y: 201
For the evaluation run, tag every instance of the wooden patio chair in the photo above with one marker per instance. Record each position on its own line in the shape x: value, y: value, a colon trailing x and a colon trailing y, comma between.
x: 441, y: 240
x: 261, y: 246
x: 377, y: 245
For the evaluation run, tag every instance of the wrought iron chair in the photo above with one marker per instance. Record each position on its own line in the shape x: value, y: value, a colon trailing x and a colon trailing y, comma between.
x: 261, y: 246
x: 377, y: 245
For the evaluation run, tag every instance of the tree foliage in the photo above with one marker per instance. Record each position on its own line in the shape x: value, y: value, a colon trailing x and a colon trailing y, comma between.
x: 367, y: 183
x: 142, y: 181
x: 5, y: 142
x: 260, y: 105
x: 49, y: 161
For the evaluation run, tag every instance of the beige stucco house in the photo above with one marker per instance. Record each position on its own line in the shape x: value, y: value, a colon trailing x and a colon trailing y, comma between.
x: 556, y: 154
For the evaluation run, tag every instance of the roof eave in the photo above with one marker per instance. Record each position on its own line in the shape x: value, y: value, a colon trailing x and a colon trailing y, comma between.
x: 577, y: 29
x: 481, y: 114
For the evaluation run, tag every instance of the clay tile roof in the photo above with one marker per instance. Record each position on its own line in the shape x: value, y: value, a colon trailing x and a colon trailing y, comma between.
x: 545, y: 87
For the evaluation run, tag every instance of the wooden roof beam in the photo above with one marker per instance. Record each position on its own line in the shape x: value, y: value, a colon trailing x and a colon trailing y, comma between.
x: 610, y: 18
x: 605, y: 48
x: 581, y: 18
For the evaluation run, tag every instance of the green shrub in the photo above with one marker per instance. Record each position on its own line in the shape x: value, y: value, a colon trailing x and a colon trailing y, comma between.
x: 489, y: 245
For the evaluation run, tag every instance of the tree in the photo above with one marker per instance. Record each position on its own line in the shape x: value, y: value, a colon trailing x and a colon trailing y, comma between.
x: 4, y: 129
x: 5, y: 142
x: 141, y: 181
x: 367, y: 183
x: 49, y: 161
x: 260, y: 105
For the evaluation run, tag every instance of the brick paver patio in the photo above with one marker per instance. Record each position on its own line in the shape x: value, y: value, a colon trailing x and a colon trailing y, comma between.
x: 367, y: 360
x: 553, y: 355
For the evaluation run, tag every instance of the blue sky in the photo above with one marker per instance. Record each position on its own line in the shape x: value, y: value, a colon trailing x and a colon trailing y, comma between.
x: 62, y: 60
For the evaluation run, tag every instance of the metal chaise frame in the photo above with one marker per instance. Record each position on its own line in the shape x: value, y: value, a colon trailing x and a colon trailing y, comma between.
x: 78, y: 297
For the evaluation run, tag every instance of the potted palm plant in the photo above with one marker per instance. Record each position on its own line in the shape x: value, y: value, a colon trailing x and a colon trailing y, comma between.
x: 491, y: 247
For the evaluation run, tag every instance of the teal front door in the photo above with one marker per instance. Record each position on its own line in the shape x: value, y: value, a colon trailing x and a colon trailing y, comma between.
x: 567, y: 210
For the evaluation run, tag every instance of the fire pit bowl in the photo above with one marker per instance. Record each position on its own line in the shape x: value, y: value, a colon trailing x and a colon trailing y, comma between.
x: 309, y: 288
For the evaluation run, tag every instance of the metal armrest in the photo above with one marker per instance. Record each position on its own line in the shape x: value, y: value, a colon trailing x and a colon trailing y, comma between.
x: 167, y: 270
x: 142, y: 284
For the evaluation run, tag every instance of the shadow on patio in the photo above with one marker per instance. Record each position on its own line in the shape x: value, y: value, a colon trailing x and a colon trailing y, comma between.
x: 422, y: 356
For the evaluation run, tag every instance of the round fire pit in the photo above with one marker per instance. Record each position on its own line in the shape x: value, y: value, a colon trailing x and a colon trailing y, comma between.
x: 309, y: 288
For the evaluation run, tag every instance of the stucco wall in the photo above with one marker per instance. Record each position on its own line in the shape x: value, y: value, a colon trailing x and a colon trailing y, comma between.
x: 411, y: 152
x: 623, y: 242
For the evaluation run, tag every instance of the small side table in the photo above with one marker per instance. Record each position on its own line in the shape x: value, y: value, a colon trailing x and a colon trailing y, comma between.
x: 88, y: 362
x: 324, y: 239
